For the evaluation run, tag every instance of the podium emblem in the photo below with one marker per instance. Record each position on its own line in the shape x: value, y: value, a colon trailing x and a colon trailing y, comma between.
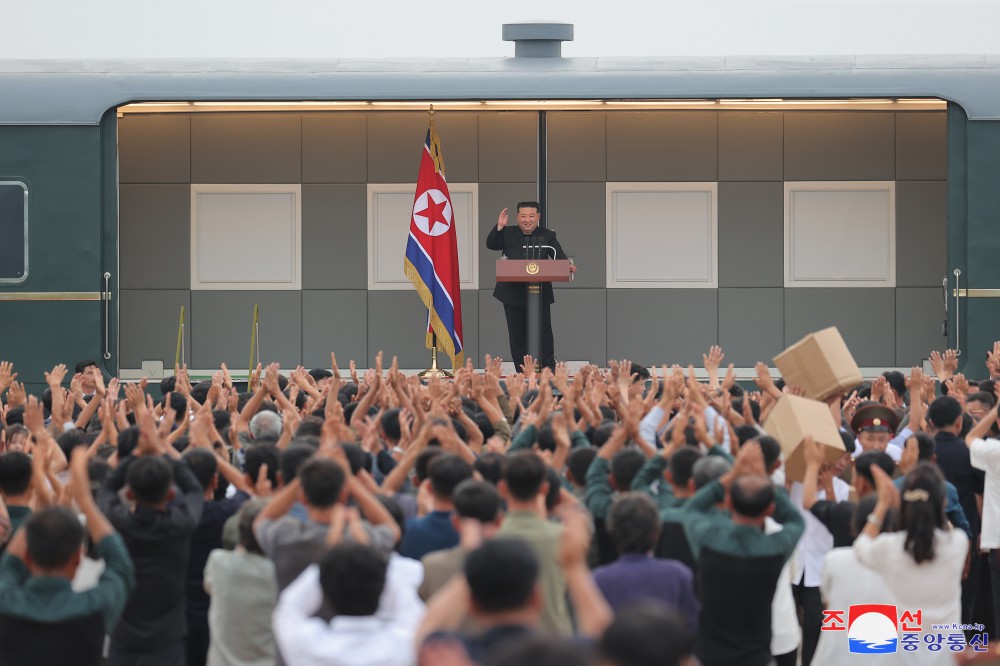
x: 531, y: 268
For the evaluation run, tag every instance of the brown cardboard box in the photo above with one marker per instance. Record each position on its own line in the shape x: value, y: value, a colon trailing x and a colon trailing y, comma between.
x: 791, y: 420
x: 820, y: 363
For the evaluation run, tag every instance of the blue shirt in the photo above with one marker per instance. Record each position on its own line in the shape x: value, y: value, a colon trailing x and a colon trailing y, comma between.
x: 637, y: 577
x: 428, y: 534
x: 953, y: 508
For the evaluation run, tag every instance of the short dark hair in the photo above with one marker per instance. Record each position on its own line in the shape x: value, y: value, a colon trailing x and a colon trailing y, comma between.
x: 578, y: 462
x: 625, y: 465
x: 524, y: 473
x: 390, y: 424
x: 54, y: 536
x: 128, y: 440
x: 83, y: 365
x: 490, y: 466
x: 528, y: 204
x: 322, y: 482
x: 178, y: 403
x: 944, y: 411
x: 602, y: 434
x: 744, y: 433
x: 682, y: 464
x: 15, y: 473
x: 897, y: 382
x: 424, y: 460
x: 202, y: 462
x: 69, y: 440
x: 292, y: 459
x: 863, y: 465
x: 357, y: 457
x: 262, y: 454
x: 248, y: 513
x: 476, y: 499
x: 446, y: 472
x: 15, y: 415
x: 352, y: 576
x: 751, y: 495
x: 634, y: 523
x: 539, y: 650
x: 983, y: 397
x: 925, y: 445
x: 647, y: 634
x: 865, y: 507
x: 502, y: 574
x: 309, y: 427
x: 149, y: 477
x: 319, y: 374
x: 771, y: 449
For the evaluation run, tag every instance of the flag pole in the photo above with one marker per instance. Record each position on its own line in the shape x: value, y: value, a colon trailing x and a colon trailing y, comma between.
x: 434, y: 370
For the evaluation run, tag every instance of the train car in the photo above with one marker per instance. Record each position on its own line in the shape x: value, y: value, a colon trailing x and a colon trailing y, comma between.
x: 744, y: 201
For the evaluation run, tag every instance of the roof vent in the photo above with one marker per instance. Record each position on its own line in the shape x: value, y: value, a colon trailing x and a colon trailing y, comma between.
x: 536, y: 39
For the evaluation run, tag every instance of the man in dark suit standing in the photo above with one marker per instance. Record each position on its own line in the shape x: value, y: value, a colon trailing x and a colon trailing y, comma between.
x: 513, y: 295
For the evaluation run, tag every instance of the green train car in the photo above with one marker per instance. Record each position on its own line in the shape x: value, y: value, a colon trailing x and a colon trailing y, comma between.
x: 102, y: 165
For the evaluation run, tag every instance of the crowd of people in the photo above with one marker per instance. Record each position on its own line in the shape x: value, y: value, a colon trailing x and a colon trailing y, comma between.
x: 627, y: 516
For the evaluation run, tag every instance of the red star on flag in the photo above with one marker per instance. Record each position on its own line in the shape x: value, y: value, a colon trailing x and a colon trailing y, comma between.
x: 434, y: 213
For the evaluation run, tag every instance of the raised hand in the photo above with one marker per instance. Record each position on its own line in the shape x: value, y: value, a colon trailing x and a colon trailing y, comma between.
x: 56, y: 377
x: 950, y: 361
x: 711, y: 362
x: 7, y: 376
x: 502, y: 220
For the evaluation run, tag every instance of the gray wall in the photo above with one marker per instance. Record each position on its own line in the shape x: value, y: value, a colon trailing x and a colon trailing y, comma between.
x: 334, y: 155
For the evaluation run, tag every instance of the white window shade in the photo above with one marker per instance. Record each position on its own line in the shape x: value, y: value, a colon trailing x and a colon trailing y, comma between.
x: 840, y: 234
x: 246, y: 237
x: 662, y: 235
x: 389, y: 209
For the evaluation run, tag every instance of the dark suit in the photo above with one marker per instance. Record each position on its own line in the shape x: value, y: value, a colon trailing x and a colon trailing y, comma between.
x: 511, y: 240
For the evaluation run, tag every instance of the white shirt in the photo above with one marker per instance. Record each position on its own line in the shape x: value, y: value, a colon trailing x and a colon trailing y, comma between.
x: 985, y: 455
x: 785, y: 632
x: 647, y: 427
x: 383, y: 639
x: 935, y: 587
x: 844, y: 581
x: 816, y: 541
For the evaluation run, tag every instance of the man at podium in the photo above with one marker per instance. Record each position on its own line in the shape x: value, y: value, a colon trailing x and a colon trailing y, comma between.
x: 511, y: 240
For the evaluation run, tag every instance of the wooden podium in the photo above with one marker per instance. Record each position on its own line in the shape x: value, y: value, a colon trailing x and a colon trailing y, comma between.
x: 533, y: 272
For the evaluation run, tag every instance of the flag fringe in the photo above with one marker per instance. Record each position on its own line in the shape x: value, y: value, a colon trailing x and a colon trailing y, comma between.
x: 444, y: 340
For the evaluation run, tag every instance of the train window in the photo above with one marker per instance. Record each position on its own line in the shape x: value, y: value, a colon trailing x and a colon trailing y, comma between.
x: 13, y: 232
x: 840, y: 234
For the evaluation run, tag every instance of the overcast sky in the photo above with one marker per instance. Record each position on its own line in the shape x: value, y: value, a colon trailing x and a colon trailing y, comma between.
x: 464, y: 28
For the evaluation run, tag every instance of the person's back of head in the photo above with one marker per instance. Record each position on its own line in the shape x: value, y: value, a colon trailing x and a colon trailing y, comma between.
x: 681, y: 465
x: 751, y: 495
x: 863, y: 465
x: 69, y: 440
x: 265, y: 424
x: 322, y: 482
x: 257, y: 456
x: 490, y: 467
x: 602, y: 433
x: 897, y: 382
x: 248, y: 513
x: 744, y: 433
x: 523, y: 475
x: 646, y: 634
x: 199, y: 392
x: 502, y: 575
x: 128, y: 440
x: 865, y: 507
x: 15, y: 473
x: 539, y: 650
x: 625, y: 465
x: 178, y: 403
x: 309, y: 427
x: 390, y: 425
x: 944, y: 411
x: 477, y: 500
x: 922, y: 510
x: 771, y: 449
x: 634, y: 524
x: 352, y: 576
x: 149, y: 479
x: 925, y: 446
x: 204, y: 465
x: 577, y: 464
x: 54, y: 537
x: 357, y: 457
x: 707, y: 469
x: 293, y: 458
x: 445, y: 473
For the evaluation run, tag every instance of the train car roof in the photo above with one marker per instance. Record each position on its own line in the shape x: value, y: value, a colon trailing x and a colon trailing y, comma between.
x: 79, y: 92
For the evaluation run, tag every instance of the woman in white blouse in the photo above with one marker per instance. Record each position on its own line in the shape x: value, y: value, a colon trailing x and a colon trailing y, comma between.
x: 921, y: 564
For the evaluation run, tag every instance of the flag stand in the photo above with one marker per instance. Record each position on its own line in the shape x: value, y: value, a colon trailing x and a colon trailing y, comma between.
x: 434, y: 370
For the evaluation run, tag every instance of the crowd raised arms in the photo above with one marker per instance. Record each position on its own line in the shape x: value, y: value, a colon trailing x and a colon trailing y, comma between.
x: 626, y: 516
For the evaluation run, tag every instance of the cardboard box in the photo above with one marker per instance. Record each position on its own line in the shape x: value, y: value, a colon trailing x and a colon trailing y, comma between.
x: 791, y: 420
x: 820, y: 363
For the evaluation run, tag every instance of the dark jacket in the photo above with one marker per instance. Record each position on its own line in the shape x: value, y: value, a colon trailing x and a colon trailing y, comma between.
x: 511, y: 240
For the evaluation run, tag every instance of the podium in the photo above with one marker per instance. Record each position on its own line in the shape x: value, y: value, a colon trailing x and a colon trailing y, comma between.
x: 533, y: 272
